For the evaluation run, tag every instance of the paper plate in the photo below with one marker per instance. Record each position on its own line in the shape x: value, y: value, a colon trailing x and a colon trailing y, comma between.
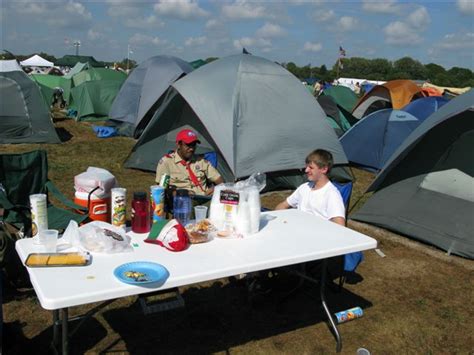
x: 141, y: 273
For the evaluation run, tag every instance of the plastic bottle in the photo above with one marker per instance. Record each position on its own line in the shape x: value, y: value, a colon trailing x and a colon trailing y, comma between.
x: 140, y: 213
x: 182, y: 206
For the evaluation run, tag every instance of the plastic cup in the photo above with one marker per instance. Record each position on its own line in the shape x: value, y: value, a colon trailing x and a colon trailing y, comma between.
x: 363, y: 351
x: 48, y: 239
x: 200, y: 212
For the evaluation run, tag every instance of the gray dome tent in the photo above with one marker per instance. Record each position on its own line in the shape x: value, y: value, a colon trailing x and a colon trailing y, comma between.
x: 139, y: 95
x: 24, y: 116
x: 254, y: 113
x: 426, y: 189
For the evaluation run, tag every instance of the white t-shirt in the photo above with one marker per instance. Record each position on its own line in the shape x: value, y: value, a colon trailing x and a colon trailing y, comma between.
x: 325, y: 202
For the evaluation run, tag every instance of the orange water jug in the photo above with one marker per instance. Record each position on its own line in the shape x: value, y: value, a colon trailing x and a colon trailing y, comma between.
x: 99, y: 207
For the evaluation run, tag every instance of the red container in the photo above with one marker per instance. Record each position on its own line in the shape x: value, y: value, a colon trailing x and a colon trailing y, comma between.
x: 140, y: 213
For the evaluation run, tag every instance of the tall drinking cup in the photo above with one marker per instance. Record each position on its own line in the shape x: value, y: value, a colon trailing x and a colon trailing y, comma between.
x: 200, y: 213
x: 157, y: 200
x: 48, y: 239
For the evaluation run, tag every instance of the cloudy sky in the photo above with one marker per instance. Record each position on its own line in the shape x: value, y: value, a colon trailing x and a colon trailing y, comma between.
x: 301, y: 31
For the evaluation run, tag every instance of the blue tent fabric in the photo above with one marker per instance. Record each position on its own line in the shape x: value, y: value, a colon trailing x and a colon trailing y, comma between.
x: 373, y: 140
x: 104, y: 132
x: 424, y: 107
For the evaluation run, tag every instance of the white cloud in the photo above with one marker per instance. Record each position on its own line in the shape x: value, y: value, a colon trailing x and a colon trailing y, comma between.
x: 419, y: 18
x: 195, y: 41
x: 269, y: 30
x: 401, y: 33
x: 56, y: 14
x: 94, y: 35
x: 141, y: 39
x: 252, y: 42
x: 457, y: 41
x: 312, y: 47
x: 347, y: 23
x: 466, y: 6
x: 148, y: 22
x: 381, y: 7
x: 180, y: 9
x: 77, y: 9
x: 323, y: 15
x: 33, y: 8
x: 245, y: 10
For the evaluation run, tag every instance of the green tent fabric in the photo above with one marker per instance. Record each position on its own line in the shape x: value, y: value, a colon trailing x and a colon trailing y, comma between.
x: 24, y: 116
x: 93, y: 99
x: 47, y: 84
x: 426, y: 190
x: 98, y: 74
x: 197, y: 63
x: 72, y: 60
x: 342, y: 95
x: 77, y: 69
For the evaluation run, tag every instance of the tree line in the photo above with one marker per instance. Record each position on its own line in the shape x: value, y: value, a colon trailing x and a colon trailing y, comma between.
x: 383, y: 69
x: 355, y: 67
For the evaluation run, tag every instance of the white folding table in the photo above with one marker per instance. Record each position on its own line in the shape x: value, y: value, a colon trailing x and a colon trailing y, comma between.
x: 285, y: 238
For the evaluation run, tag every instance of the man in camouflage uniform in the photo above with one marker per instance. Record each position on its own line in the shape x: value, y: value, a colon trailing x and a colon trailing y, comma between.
x: 187, y: 171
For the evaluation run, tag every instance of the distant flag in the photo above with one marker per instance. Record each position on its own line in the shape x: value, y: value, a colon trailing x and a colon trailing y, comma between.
x: 342, y: 52
x: 130, y: 51
x: 66, y: 41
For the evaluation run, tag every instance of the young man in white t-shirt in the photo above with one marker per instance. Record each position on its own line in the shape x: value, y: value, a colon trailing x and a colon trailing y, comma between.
x: 318, y: 196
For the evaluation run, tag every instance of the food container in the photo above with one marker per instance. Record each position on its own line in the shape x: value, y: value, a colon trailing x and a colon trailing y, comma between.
x: 118, y: 207
x: 39, y: 213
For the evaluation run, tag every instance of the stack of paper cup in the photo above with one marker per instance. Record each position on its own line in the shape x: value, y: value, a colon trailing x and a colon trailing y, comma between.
x: 39, y: 213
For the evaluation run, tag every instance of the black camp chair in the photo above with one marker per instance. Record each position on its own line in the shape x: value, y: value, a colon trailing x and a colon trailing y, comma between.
x: 24, y: 174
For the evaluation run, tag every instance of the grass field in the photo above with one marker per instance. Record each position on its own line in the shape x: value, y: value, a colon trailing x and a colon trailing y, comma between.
x: 416, y: 300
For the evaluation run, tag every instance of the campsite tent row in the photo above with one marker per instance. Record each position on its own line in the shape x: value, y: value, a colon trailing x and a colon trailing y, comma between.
x: 88, y: 90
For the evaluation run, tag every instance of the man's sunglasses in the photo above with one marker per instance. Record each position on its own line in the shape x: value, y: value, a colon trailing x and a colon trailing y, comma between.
x: 190, y: 145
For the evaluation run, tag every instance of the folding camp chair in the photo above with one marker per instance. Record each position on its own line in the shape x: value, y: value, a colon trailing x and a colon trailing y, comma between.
x: 352, y: 260
x: 24, y: 174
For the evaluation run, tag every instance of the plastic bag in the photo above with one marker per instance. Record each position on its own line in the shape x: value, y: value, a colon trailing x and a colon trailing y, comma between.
x: 101, y: 237
x: 95, y: 177
x: 235, y: 208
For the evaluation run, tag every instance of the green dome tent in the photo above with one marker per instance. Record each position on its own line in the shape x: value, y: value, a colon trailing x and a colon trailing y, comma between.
x: 24, y: 116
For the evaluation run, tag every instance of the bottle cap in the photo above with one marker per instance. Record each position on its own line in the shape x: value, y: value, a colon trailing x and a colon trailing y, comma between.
x: 182, y: 192
x: 139, y: 195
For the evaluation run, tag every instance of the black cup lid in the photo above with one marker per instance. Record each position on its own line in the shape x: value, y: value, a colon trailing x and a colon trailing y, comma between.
x: 139, y: 195
x: 182, y: 192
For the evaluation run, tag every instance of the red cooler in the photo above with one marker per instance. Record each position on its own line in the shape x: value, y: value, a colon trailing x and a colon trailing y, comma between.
x: 99, y: 208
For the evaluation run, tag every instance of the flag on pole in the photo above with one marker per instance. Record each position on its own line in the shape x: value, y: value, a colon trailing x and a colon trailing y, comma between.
x: 342, y: 52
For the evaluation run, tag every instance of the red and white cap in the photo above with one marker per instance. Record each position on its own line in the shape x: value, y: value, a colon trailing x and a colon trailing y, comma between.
x: 187, y: 136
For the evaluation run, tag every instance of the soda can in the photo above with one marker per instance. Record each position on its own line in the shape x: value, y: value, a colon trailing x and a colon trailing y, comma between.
x: 165, y: 181
x: 119, y: 207
x: 39, y: 213
x: 157, y: 200
x: 349, y: 314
